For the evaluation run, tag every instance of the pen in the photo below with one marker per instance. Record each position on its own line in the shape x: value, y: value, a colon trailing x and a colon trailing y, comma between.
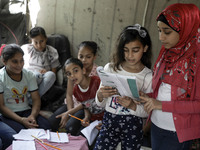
x: 58, y: 135
x: 41, y: 144
x: 46, y: 143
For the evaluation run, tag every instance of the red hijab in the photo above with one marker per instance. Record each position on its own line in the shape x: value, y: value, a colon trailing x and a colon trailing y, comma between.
x: 177, y: 66
x: 1, y: 48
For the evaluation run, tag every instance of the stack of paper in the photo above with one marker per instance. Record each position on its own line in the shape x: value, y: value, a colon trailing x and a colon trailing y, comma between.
x: 23, y: 145
x: 26, y: 134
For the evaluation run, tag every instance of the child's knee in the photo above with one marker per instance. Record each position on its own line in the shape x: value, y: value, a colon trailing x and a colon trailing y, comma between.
x: 51, y: 76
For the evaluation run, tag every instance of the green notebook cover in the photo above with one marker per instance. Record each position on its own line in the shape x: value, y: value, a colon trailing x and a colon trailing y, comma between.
x: 133, y: 87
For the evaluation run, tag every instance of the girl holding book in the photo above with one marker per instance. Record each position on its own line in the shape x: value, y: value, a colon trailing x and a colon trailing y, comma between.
x: 122, y: 120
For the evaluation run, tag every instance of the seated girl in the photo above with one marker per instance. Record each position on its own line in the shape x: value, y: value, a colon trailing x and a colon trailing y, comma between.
x: 42, y: 59
x: 15, y: 83
x: 84, y: 91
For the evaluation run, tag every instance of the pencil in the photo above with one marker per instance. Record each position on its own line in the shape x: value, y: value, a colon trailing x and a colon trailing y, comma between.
x: 79, y: 119
x: 52, y: 146
x: 58, y: 135
x: 75, y: 117
x: 41, y: 144
x: 37, y: 138
x: 46, y: 143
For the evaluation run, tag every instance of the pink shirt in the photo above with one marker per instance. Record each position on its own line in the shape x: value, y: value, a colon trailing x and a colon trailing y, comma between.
x: 94, y: 70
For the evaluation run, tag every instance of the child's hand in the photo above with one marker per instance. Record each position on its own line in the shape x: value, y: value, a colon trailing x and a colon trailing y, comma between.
x: 99, y: 126
x: 29, y: 122
x: 85, y: 122
x: 150, y: 103
x: 127, y: 102
x: 64, y: 118
x: 142, y: 94
x: 106, y: 91
x: 43, y: 71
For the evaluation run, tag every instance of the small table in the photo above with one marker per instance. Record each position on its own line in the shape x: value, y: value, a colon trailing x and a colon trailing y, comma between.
x: 75, y: 143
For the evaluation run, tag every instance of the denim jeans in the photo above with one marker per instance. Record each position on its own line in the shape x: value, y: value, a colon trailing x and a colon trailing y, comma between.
x: 6, y: 135
x: 1, y: 144
x: 166, y: 140
x: 73, y: 126
x: 41, y: 121
x: 45, y: 81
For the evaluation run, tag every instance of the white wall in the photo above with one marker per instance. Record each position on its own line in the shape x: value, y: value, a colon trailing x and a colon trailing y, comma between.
x: 99, y: 20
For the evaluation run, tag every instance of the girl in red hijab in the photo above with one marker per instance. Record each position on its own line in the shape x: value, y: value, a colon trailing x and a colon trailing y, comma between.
x: 175, y: 101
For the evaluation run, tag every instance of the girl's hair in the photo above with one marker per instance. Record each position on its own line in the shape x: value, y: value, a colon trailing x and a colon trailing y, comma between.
x: 37, y: 31
x: 91, y: 45
x: 75, y: 61
x: 131, y: 34
x: 10, y: 50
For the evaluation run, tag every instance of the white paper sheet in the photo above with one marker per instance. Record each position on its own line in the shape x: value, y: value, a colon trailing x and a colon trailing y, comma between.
x: 23, y: 145
x: 90, y: 132
x: 53, y: 137
x: 25, y: 134
x: 120, y: 82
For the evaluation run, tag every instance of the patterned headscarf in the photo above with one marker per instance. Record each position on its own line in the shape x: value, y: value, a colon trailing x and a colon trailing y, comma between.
x: 178, y: 64
x: 1, y: 48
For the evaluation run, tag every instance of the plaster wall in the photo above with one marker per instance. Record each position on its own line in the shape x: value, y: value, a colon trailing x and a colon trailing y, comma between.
x: 99, y: 20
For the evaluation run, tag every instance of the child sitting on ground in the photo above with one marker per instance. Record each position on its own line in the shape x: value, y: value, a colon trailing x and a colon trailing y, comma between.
x: 84, y: 91
x: 87, y: 54
x: 15, y: 84
x: 41, y: 59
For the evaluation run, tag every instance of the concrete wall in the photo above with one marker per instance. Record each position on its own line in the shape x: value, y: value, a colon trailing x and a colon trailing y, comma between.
x: 99, y: 20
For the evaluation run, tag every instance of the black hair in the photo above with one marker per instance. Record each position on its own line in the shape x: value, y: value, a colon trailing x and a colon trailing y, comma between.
x: 37, y: 31
x: 89, y: 44
x: 10, y: 50
x: 130, y: 34
x: 75, y: 61
x: 163, y: 19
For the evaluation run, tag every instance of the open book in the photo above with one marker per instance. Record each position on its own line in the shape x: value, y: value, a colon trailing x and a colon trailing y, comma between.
x: 126, y: 85
x: 90, y: 132
x: 27, y: 134
x: 57, y: 137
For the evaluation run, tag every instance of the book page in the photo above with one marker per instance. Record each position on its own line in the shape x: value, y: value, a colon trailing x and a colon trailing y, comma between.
x: 26, y: 134
x: 23, y: 145
x: 123, y: 84
x: 90, y: 132
x: 53, y: 137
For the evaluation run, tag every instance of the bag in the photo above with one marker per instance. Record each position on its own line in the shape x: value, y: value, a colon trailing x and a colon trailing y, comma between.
x: 53, y: 98
x: 61, y: 43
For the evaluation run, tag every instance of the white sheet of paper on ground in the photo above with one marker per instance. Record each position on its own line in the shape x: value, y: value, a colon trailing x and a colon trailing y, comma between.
x: 25, y: 134
x: 90, y: 132
x: 53, y: 137
x: 23, y: 145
